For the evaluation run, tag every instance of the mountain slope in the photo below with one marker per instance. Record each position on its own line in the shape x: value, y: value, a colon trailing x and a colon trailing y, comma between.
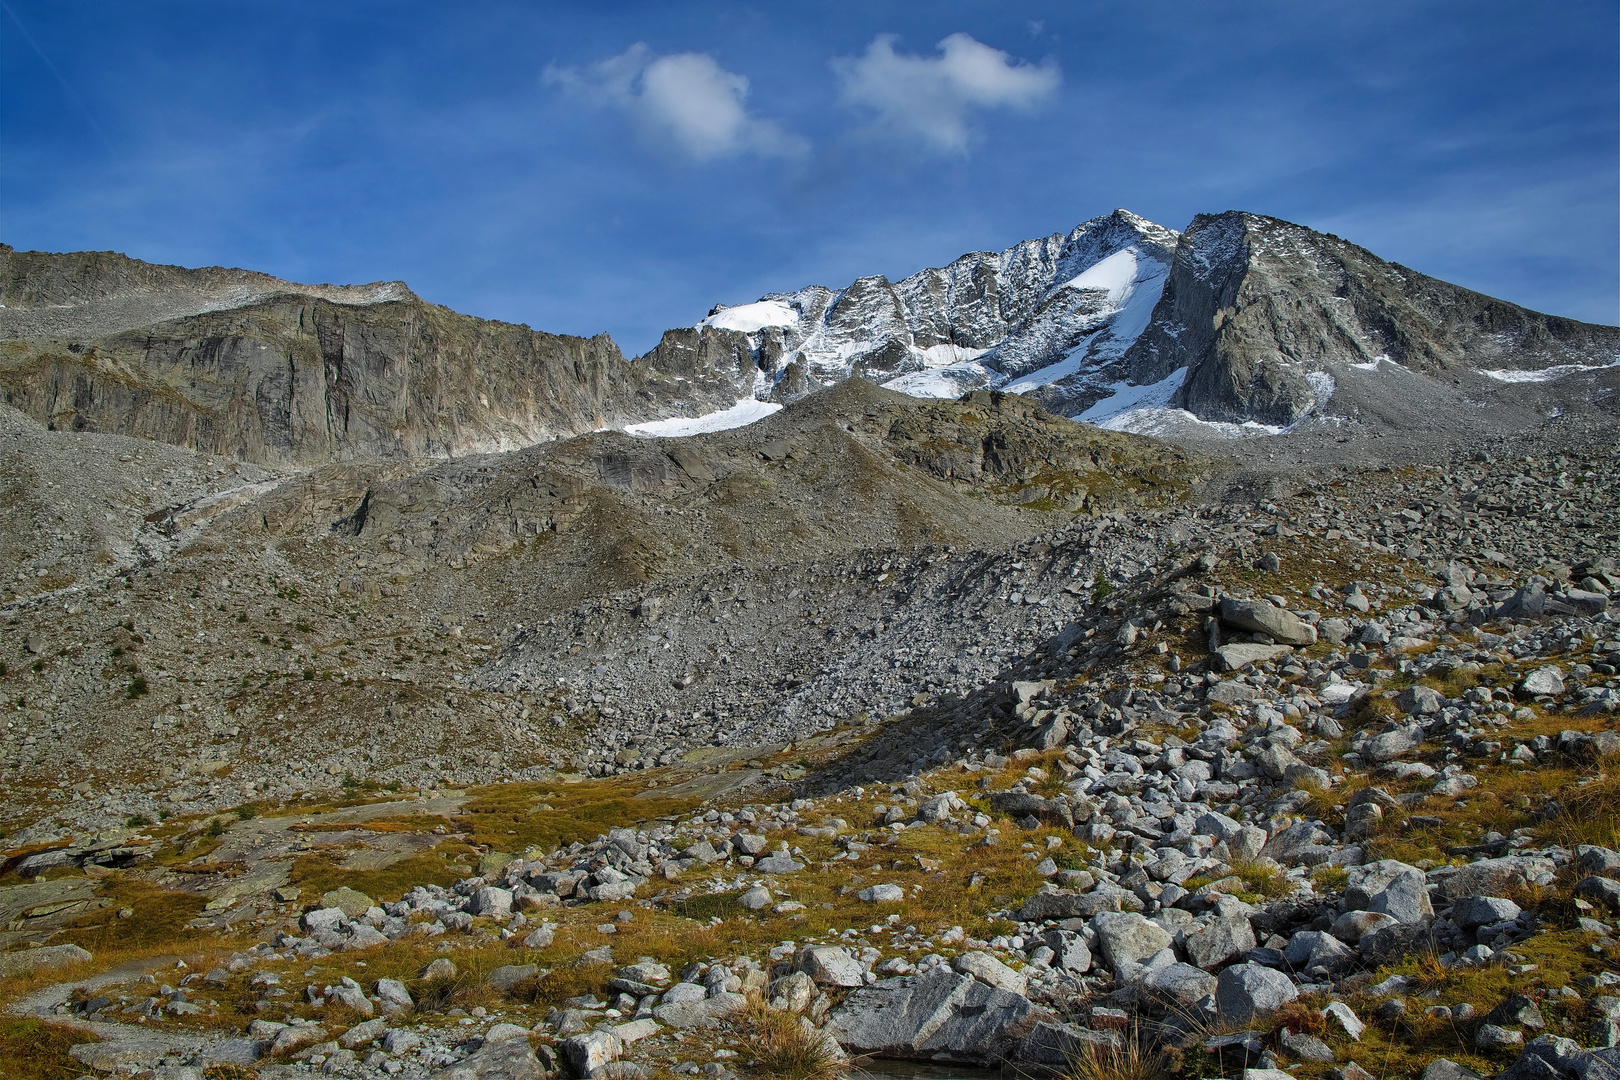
x: 1242, y: 320
x: 1254, y: 307
x: 245, y: 365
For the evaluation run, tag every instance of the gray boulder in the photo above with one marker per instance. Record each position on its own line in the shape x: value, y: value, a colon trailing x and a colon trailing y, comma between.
x: 1391, y: 888
x: 830, y: 966
x: 1475, y: 911
x: 1310, y: 949
x: 1262, y: 617
x: 1218, y: 941
x: 590, y: 1051
x: 499, y: 1059
x: 1124, y: 937
x: 990, y: 971
x: 1546, y: 680
x: 1494, y: 877
x: 1246, y: 992
x: 1179, y: 985
x: 1053, y: 906
x: 1393, y: 743
x: 1233, y: 657
x: 1550, y: 1057
x: 940, y: 1016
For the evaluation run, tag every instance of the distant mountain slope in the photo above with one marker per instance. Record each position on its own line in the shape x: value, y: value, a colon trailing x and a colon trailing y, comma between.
x: 1242, y: 320
x: 246, y: 365
x: 1257, y: 311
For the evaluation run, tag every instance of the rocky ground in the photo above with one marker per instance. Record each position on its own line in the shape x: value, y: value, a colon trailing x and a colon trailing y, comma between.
x: 961, y: 731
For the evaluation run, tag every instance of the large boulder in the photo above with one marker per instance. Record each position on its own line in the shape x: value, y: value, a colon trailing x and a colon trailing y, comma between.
x: 992, y: 972
x: 1494, y: 877
x: 498, y: 1059
x: 1180, y: 986
x: 829, y: 965
x: 1054, y: 906
x: 1392, y: 888
x: 941, y: 1016
x: 1263, y: 617
x: 1247, y: 992
x: 1124, y: 937
x: 1550, y: 1057
x: 1218, y: 941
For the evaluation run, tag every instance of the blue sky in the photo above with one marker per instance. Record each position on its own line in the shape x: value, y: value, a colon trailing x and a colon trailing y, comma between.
x: 620, y: 167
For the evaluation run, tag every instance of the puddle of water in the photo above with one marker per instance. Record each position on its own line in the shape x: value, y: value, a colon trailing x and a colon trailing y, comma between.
x: 895, y: 1069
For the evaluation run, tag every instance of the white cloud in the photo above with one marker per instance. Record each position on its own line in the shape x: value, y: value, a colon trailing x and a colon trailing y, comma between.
x: 684, y: 100
x: 930, y: 98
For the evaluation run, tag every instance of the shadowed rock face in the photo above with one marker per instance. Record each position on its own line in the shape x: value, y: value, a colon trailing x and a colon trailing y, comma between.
x: 240, y: 364
x: 1254, y: 306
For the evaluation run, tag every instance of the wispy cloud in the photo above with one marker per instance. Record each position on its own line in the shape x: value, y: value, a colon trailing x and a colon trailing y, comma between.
x: 930, y: 98
x: 685, y: 101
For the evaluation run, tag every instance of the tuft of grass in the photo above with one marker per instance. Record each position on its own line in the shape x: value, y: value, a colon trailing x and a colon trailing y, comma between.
x: 137, y: 688
x: 786, y: 1046
x: 1263, y: 876
x: 563, y: 982
x: 1127, y: 1060
x: 33, y: 1050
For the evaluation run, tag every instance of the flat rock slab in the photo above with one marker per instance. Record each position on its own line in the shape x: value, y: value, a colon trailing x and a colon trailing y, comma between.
x: 941, y: 1016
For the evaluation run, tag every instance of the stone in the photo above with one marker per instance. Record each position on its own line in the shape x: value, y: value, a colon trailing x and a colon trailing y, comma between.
x: 1260, y: 616
x: 881, y: 894
x: 1179, y: 985
x: 1446, y: 1069
x: 1391, y: 888
x: 1494, y: 1037
x: 1551, y: 1057
x: 491, y: 902
x: 1305, y: 1047
x: 1494, y: 877
x: 1051, y: 1048
x: 1393, y: 743
x: 1069, y: 951
x: 941, y: 1016
x: 1124, y: 937
x: 41, y: 958
x: 1517, y: 1011
x: 364, y: 936
x: 756, y: 898
x: 1475, y: 911
x: 779, y: 863
x: 1232, y: 692
x: 1247, y: 992
x: 497, y: 1059
x: 393, y: 995
x: 1310, y: 949
x: 1420, y: 701
x: 987, y: 969
x: 1346, y: 1018
x: 505, y: 977
x: 829, y: 965
x: 1352, y: 926
x: 1219, y: 941
x: 708, y: 1013
x: 1234, y: 657
x: 1600, y: 890
x: 591, y: 1050
x: 1546, y: 680
x: 351, y: 902
x: 539, y: 938
x: 328, y: 920
x: 749, y: 843
x: 362, y: 1034
x: 1059, y: 905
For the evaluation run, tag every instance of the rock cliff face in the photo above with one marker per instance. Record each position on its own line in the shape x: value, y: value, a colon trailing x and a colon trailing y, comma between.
x: 1075, y: 300
x: 240, y: 364
x: 1258, y: 310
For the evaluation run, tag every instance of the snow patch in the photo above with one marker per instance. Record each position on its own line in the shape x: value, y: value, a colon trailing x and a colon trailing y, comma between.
x: 751, y: 318
x: 1509, y: 375
x: 945, y: 382
x: 938, y: 356
x: 1126, y: 397
x: 743, y: 413
x: 1115, y: 275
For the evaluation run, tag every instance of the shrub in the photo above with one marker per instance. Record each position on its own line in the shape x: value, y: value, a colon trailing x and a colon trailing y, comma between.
x: 137, y: 688
x: 137, y: 821
x: 1125, y: 1060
